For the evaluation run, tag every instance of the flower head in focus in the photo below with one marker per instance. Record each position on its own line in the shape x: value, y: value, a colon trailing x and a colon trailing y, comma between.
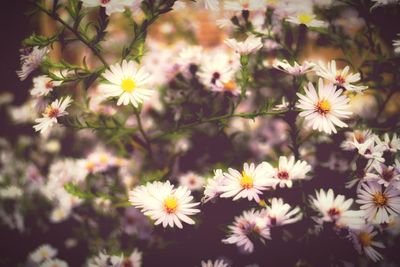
x: 55, y: 110
x: 128, y: 82
x: 43, y: 85
x: 325, y: 109
x: 363, y: 242
x: 279, y: 213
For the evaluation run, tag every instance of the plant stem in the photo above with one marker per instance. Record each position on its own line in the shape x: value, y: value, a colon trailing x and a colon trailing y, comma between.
x: 141, y: 129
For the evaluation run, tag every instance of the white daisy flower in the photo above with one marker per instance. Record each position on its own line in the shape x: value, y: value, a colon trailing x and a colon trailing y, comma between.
x: 128, y: 82
x: 245, y: 226
x: 340, y: 78
x: 246, y: 184
x: 325, y: 109
x: 217, y: 263
x: 55, y: 110
x: 11, y: 192
x: 287, y: 171
x: 363, y: 241
x: 296, y: 69
x: 43, y: 85
x: 396, y: 45
x: 307, y: 19
x: 354, y: 140
x: 217, y: 71
x: 134, y: 260
x: 43, y: 253
x: 336, y: 210
x: 111, y: 6
x: 54, y: 263
x: 378, y: 204
x: 164, y: 204
x: 239, y: 5
x: 31, y: 60
x: 213, y: 187
x: 192, y: 181
x: 248, y: 46
x: 279, y: 213
x: 385, y: 175
x: 392, y: 145
x: 103, y: 260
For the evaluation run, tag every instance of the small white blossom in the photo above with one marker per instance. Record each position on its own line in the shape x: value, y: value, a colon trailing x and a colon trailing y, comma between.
x: 248, y: 46
x: 31, y: 61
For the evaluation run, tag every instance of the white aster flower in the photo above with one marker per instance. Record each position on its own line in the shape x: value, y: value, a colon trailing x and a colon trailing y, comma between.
x: 245, y: 226
x: 31, y: 60
x: 54, y: 263
x: 211, y: 4
x: 307, y: 19
x: 392, y: 145
x: 55, y: 110
x: 11, y: 192
x: 104, y: 260
x: 325, y: 109
x: 164, y: 204
x: 43, y: 253
x: 217, y: 263
x: 296, y: 69
x: 363, y: 241
x: 192, y: 181
x: 134, y: 260
x: 385, y: 175
x: 217, y: 71
x: 248, y: 46
x: 340, y: 78
x: 378, y: 204
x: 279, y: 213
x: 287, y: 171
x: 354, y: 140
x: 246, y: 184
x: 128, y: 82
x: 111, y: 6
x: 336, y: 210
x: 43, y: 85
x: 213, y: 187
x: 239, y: 5
x: 396, y: 45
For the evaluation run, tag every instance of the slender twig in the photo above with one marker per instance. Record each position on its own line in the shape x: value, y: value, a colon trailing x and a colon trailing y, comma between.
x: 142, y: 131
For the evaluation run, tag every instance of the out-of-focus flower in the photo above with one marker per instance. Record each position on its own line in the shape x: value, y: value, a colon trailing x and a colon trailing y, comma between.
x: 114, y: 6
x: 213, y: 187
x: 211, y: 4
x: 336, y: 210
x: 248, y: 46
x: 55, y: 110
x: 105, y: 260
x: 325, y: 109
x: 217, y: 263
x: 245, y: 226
x: 135, y: 223
x: 363, y: 241
x: 164, y: 203
x: 192, y: 180
x: 307, y: 19
x: 43, y: 253
x: 378, y: 3
x: 284, y: 105
x: 43, y: 85
x: 279, y: 213
x: 341, y: 78
x: 396, y: 45
x: 11, y: 192
x: 239, y: 5
x: 134, y: 260
x: 385, y: 175
x: 128, y: 82
x: 392, y: 145
x: 355, y: 139
x: 247, y: 184
x: 296, y: 69
x: 287, y: 171
x: 378, y: 204
x: 31, y: 60
x: 54, y: 263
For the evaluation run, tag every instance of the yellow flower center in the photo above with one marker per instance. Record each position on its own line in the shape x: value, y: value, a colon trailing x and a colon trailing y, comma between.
x: 246, y: 182
x: 128, y: 85
x: 380, y: 199
x: 305, y: 18
x: 170, y: 204
x: 230, y: 86
x: 323, y: 107
x: 52, y: 112
x: 44, y: 254
x: 365, y: 239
